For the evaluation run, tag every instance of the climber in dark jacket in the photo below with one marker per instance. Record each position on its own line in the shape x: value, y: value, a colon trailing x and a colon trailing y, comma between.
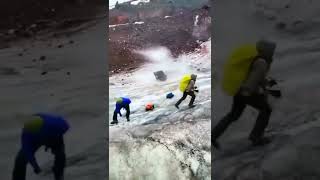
x: 121, y: 103
x: 43, y: 130
x: 253, y: 92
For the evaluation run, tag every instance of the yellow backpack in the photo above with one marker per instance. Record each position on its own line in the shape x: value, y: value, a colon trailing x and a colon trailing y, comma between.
x: 184, y: 82
x: 237, y: 67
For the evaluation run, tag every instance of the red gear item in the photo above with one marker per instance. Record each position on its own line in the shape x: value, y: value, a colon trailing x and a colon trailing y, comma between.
x: 149, y: 106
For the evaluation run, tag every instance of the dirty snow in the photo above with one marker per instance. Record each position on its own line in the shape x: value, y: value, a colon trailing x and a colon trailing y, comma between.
x: 79, y: 97
x: 116, y: 25
x: 139, y: 1
x: 112, y: 3
x: 138, y: 22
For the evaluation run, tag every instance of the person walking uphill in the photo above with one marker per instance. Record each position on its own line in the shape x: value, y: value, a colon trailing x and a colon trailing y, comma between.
x: 187, y: 86
x: 121, y: 103
x: 251, y: 91
x: 44, y: 130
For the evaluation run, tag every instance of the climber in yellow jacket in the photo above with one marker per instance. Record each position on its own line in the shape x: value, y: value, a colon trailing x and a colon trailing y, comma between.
x: 187, y: 86
x: 248, y: 85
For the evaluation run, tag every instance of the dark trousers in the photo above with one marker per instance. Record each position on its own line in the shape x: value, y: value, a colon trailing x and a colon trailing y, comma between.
x: 115, y: 114
x: 185, y: 94
x: 57, y: 148
x: 20, y: 167
x: 239, y: 103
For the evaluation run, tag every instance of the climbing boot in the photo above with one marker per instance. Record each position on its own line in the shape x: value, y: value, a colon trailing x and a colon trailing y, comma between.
x: 192, y: 106
x: 114, y: 122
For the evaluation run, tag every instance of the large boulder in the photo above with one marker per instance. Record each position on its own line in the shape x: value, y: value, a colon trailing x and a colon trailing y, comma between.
x: 160, y: 75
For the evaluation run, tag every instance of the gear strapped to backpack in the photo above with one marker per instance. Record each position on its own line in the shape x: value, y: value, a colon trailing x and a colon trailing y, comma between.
x: 184, y: 82
x: 237, y: 67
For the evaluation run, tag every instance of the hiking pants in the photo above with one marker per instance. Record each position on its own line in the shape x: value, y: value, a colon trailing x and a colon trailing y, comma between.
x: 185, y: 94
x: 257, y: 101
x: 20, y: 167
x: 57, y: 148
x: 115, y: 114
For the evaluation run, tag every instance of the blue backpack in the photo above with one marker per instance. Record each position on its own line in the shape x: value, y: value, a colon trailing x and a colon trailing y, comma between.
x: 170, y: 95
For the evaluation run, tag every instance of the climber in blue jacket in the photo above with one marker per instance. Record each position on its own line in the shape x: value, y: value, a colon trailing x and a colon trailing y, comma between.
x: 43, y: 130
x: 121, y: 103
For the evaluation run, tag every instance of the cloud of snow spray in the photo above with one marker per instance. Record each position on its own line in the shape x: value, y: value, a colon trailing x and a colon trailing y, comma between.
x: 160, y: 59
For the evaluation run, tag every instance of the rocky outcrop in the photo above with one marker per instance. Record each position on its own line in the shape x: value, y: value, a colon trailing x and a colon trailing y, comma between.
x: 176, y: 32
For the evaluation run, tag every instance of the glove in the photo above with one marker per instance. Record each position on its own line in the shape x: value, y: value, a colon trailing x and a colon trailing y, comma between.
x: 196, y: 89
x: 272, y: 82
x: 37, y: 170
x: 275, y: 93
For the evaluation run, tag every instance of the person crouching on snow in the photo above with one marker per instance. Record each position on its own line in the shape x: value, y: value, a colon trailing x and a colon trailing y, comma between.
x: 121, y: 103
x: 43, y: 130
